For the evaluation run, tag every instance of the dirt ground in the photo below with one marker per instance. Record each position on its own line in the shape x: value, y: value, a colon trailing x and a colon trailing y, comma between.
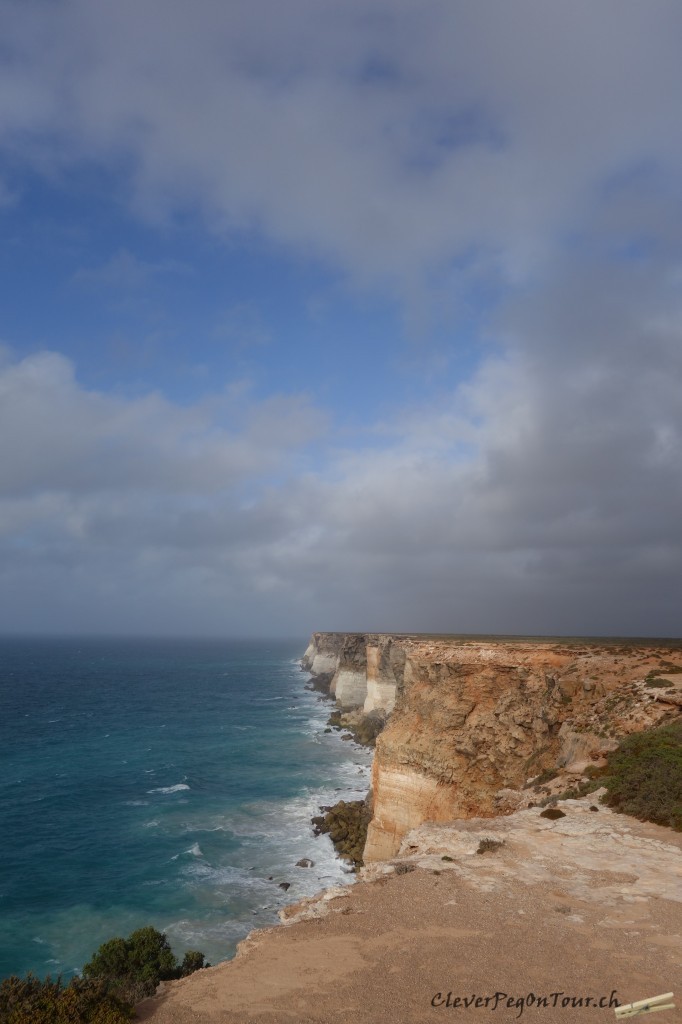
x: 516, y: 943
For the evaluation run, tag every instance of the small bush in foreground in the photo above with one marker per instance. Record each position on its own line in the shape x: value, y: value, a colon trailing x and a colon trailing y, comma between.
x: 132, y: 968
x: 32, y: 1001
x: 120, y: 974
x: 644, y: 776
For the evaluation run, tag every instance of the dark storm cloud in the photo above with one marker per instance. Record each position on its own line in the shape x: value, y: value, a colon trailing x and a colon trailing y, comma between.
x: 528, y: 144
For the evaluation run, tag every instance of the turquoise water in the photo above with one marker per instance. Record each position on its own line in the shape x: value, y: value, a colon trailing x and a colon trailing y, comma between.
x: 158, y: 782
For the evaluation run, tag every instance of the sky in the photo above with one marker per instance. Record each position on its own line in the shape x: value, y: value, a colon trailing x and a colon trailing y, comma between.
x: 340, y: 315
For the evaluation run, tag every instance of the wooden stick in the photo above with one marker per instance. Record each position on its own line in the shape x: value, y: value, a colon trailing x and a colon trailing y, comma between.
x: 645, y: 1009
x: 651, y: 1005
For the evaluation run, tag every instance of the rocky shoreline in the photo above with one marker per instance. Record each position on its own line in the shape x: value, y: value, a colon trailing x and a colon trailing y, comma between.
x: 346, y: 821
x: 483, y: 747
x: 586, y: 908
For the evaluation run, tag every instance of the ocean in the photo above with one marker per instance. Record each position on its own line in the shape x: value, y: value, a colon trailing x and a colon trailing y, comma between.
x: 161, y: 782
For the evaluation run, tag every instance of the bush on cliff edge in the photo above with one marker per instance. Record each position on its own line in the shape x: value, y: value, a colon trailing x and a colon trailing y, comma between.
x: 644, y: 776
x: 120, y: 974
x: 32, y: 1001
x: 132, y: 968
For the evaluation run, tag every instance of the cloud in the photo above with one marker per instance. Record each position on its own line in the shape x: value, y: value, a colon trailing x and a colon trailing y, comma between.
x: 544, y: 496
x: 125, y: 271
x: 393, y: 141
x: 116, y: 511
x: 56, y: 436
x: 524, y: 158
x: 540, y: 496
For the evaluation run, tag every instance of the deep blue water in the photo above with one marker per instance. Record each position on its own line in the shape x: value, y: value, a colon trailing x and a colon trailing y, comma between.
x: 158, y: 782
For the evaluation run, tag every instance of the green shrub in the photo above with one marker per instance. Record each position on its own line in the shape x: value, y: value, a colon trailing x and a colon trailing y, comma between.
x: 192, y: 961
x: 32, y: 1001
x: 644, y: 776
x: 132, y: 968
x: 120, y: 974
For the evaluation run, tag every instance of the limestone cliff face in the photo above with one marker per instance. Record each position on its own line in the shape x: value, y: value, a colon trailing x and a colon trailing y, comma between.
x: 477, y: 718
x: 365, y: 669
x: 322, y: 653
x: 385, y: 673
x: 349, y: 684
x: 473, y: 719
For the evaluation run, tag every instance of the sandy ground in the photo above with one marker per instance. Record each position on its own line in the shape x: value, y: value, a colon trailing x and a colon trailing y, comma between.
x: 587, y: 907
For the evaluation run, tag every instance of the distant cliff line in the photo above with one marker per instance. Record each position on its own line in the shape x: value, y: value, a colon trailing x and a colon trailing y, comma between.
x: 473, y: 719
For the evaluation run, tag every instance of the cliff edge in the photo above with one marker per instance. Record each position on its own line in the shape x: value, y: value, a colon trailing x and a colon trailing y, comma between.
x: 473, y: 720
x: 586, y: 909
x: 472, y: 896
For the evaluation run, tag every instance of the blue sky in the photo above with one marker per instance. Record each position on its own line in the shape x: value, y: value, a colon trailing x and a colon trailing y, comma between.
x: 360, y: 315
x: 140, y: 306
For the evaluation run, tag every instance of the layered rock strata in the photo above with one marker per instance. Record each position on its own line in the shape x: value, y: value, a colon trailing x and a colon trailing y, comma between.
x: 474, y: 719
x: 322, y: 653
x: 361, y: 670
x: 476, y: 909
x: 349, y: 683
x: 385, y: 673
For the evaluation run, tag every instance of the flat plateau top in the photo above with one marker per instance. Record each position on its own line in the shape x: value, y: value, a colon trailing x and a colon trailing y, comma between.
x: 515, y: 638
x: 578, y: 908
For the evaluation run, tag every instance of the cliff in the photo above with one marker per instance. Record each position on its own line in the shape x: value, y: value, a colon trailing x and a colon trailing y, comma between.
x: 479, y: 731
x: 474, y: 719
x: 585, y: 909
x: 362, y: 670
x: 322, y: 653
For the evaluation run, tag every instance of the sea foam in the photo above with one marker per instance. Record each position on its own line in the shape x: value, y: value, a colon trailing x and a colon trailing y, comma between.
x: 257, y: 779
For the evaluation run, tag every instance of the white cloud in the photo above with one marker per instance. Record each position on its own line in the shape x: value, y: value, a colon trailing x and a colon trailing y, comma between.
x: 528, y: 148
x: 542, y: 497
x: 56, y: 436
x: 386, y: 137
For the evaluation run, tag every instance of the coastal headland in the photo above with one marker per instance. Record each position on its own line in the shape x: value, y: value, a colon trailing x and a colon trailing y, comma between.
x: 492, y: 870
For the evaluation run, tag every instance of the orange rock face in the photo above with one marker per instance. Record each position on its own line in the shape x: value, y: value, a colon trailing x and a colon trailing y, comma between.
x: 475, y: 716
